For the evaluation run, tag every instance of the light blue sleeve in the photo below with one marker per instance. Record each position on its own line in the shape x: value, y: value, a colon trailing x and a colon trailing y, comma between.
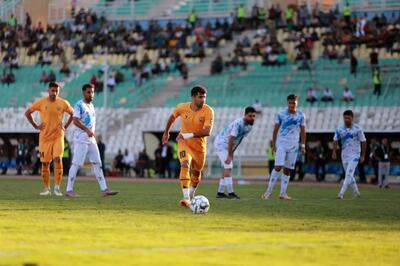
x: 78, y: 110
x: 361, y: 136
x: 278, y: 119
x: 235, y: 130
x: 303, y: 119
x: 337, y: 135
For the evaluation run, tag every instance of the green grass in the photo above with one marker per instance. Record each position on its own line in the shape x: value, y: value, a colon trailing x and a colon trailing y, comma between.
x: 144, y: 225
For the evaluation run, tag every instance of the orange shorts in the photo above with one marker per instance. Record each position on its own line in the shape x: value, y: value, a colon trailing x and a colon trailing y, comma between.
x: 51, y: 149
x: 196, y: 159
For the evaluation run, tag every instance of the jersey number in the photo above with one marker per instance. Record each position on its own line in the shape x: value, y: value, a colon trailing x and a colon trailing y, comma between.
x: 182, y: 154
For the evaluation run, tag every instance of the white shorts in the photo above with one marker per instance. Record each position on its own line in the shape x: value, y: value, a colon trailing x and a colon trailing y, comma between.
x: 81, y: 149
x: 286, y: 156
x: 223, y: 155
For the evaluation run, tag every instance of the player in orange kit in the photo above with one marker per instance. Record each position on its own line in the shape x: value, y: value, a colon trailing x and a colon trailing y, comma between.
x: 197, y: 122
x: 51, y: 137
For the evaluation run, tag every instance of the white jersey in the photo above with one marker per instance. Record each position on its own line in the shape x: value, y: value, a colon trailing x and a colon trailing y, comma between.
x: 350, y: 139
x: 86, y: 114
x: 237, y: 129
x: 289, y: 130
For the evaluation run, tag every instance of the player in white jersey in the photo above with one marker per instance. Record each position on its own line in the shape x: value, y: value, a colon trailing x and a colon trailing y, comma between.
x: 84, y: 118
x: 225, y: 145
x: 288, y: 130
x: 353, y: 144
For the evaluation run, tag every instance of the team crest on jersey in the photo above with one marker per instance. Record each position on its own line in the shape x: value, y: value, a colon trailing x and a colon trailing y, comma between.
x: 202, y: 119
x: 59, y: 109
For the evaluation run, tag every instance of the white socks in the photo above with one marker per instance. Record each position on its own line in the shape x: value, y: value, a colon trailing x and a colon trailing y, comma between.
x: 221, y: 188
x: 192, y: 191
x: 186, y: 193
x: 272, y: 180
x: 98, y: 172
x: 284, y: 184
x: 73, y: 171
x: 229, y: 184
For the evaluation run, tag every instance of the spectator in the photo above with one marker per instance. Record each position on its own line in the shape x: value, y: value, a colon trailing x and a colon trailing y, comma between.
x: 241, y: 16
x: 376, y: 78
x: 271, y: 157
x: 163, y: 154
x: 327, y: 96
x: 21, y: 151
x: 37, y: 164
x: 305, y: 64
x: 14, y: 62
x: 319, y: 156
x: 347, y: 14
x: 184, y: 73
x: 65, y: 69
x: 46, y: 59
x: 374, y: 58
x: 3, y: 161
x: 118, y: 164
x: 373, y: 159
x: 289, y: 14
x: 311, y: 95
x: 111, y: 83
x: 347, y: 95
x: 383, y: 153
x: 8, y: 77
x: 257, y: 106
x: 128, y: 162
x: 298, y: 168
x: 66, y: 159
x: 192, y: 18
x: 142, y: 163
x: 52, y: 76
x: 12, y: 21
x: 353, y: 65
x: 43, y: 77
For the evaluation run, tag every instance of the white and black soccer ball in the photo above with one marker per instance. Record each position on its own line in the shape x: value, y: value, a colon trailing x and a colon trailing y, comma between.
x: 200, y: 205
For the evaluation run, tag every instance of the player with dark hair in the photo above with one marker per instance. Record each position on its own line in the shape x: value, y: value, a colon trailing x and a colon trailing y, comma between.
x: 85, y: 143
x: 51, y: 136
x: 289, y: 129
x: 225, y: 145
x: 197, y: 122
x: 354, y: 145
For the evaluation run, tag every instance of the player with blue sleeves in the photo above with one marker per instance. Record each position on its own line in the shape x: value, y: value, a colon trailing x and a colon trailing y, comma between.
x: 288, y: 130
x: 225, y: 145
x: 84, y: 119
x: 353, y: 146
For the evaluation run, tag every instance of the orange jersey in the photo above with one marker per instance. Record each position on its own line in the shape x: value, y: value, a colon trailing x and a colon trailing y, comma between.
x: 51, y: 114
x: 193, y: 121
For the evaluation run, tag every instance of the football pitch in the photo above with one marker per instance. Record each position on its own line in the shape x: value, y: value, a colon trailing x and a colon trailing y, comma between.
x: 144, y: 225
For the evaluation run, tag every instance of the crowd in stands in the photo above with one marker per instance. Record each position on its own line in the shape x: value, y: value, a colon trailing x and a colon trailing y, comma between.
x: 327, y: 95
x: 92, y: 34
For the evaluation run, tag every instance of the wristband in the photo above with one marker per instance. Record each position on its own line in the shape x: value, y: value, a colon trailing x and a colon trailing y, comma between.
x: 187, y: 135
x: 303, y: 145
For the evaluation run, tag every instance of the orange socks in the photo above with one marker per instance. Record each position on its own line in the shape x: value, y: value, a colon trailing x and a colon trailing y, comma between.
x: 46, y: 175
x: 184, y: 178
x: 58, y: 173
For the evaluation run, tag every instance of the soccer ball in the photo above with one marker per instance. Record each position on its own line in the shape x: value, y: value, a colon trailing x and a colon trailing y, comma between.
x: 200, y: 205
